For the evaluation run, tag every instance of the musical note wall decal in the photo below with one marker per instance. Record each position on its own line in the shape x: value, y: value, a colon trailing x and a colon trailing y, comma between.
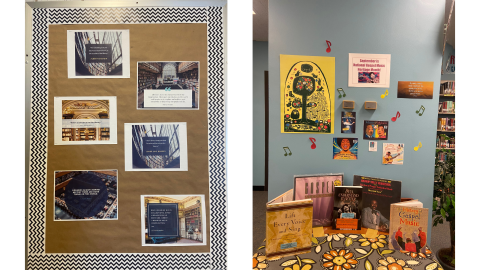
x: 313, y: 146
x: 421, y: 109
x: 418, y: 146
x: 384, y: 95
x: 285, y: 149
x: 340, y: 90
x: 396, y: 116
x: 328, y: 44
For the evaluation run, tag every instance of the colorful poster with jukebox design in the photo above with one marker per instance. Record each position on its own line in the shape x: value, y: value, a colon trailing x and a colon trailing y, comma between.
x: 307, y: 100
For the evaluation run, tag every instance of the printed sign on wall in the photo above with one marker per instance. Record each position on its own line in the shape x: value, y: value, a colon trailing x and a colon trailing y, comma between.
x: 369, y: 70
x: 421, y: 90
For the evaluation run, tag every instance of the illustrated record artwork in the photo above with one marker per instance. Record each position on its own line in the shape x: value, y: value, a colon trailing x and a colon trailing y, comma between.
x: 307, y: 106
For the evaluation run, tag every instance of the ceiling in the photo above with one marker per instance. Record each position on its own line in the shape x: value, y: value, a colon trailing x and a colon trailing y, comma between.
x: 260, y: 21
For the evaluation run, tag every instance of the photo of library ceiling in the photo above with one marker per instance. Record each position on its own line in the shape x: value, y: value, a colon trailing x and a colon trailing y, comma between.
x: 189, y: 217
x: 85, y: 65
x: 85, y: 195
x: 172, y: 157
x: 85, y: 109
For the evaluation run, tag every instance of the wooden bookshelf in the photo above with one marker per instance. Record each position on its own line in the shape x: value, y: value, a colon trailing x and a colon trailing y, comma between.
x: 446, y: 94
x: 145, y: 80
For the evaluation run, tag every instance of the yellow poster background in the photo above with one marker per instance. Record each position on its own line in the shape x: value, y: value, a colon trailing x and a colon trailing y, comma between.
x: 307, y: 87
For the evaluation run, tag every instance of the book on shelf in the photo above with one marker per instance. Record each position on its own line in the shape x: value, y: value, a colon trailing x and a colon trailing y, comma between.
x: 446, y: 107
x: 289, y: 226
x: 446, y: 124
x: 443, y: 157
x: 409, y: 223
x: 378, y: 194
x: 445, y: 142
x: 347, y: 208
x: 447, y: 88
x: 319, y: 188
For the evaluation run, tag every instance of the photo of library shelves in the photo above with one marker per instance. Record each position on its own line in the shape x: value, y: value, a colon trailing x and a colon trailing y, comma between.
x: 81, y: 195
x: 86, y: 67
x: 189, y: 219
x: 168, y: 75
x: 85, y: 109
x: 141, y: 160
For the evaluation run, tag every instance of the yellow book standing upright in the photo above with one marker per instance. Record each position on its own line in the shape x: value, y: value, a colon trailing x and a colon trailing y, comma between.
x: 289, y: 226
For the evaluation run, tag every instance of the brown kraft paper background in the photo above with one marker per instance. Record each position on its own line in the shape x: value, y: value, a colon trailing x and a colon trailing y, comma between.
x: 148, y: 42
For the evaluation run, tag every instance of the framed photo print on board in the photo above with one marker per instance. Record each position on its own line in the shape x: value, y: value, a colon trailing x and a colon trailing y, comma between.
x: 98, y: 54
x: 156, y: 147
x: 85, y: 120
x: 173, y: 220
x: 168, y: 85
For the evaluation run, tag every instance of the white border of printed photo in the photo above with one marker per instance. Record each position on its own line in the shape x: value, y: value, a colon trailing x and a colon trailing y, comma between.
x: 182, y: 153
x: 204, y: 221
x: 59, y: 122
x: 125, y: 54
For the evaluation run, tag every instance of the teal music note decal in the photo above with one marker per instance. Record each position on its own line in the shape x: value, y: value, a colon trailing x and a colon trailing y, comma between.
x: 421, y: 109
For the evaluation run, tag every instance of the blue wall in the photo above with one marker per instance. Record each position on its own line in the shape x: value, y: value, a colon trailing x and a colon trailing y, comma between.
x: 411, y: 31
x: 260, y: 64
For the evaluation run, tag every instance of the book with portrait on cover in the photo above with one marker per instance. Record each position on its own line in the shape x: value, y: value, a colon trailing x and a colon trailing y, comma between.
x: 347, y: 207
x: 378, y: 194
x: 289, y: 226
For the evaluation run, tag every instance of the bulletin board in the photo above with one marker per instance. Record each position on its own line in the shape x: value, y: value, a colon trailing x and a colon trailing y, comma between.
x: 156, y: 34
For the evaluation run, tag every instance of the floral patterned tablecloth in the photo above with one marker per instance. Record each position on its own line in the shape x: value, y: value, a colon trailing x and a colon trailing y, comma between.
x: 349, y: 251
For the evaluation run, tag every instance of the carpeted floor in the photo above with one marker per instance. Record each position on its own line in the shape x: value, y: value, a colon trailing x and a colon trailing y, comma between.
x: 440, y: 234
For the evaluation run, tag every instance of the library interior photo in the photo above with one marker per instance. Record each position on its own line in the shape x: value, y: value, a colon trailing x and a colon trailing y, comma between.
x: 189, y: 219
x: 169, y: 76
x: 100, y: 202
x: 352, y: 77
x: 82, y: 110
x: 85, y: 66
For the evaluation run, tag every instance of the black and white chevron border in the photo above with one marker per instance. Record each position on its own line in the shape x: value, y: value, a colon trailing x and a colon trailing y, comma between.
x: 37, y: 258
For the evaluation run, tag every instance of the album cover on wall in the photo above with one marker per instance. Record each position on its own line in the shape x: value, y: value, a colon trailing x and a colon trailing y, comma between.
x: 345, y: 148
x: 348, y: 122
x: 393, y: 153
x: 375, y: 130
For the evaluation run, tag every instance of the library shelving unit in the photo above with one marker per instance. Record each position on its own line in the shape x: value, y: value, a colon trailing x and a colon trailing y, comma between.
x: 145, y: 80
x: 446, y: 117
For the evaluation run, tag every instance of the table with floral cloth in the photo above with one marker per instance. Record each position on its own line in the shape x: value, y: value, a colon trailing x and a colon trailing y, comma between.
x: 349, y: 251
